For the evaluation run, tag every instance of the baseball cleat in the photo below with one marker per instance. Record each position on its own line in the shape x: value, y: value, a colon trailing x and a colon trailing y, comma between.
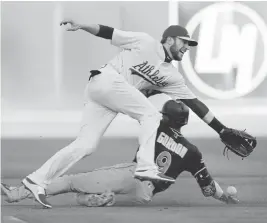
x: 5, y: 188
x: 37, y: 191
x: 6, y: 191
x: 14, y: 194
x: 152, y: 175
x: 96, y: 200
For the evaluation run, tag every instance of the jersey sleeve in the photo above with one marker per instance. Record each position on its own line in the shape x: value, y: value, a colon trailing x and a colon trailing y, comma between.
x: 177, y: 89
x: 130, y: 40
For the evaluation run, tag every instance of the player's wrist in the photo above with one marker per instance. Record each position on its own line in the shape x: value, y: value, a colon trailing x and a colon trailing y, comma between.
x: 217, y: 125
x: 82, y: 27
x: 92, y: 29
x: 213, y: 122
x: 222, y: 198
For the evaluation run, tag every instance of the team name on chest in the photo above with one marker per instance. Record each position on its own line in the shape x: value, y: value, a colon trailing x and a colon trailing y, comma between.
x: 149, y: 73
x: 171, y: 145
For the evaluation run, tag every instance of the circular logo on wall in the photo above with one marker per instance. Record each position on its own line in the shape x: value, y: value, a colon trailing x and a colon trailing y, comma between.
x: 231, y: 57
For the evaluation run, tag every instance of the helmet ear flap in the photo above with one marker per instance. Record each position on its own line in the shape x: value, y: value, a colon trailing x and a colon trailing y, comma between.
x: 165, y: 118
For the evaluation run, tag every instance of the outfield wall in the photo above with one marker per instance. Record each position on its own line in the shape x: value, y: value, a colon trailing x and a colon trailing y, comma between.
x: 44, y: 69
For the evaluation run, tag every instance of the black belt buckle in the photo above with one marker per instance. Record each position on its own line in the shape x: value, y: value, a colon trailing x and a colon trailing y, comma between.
x: 94, y: 73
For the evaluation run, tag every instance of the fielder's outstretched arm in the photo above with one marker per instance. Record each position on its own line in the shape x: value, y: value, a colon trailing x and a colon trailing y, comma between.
x: 203, y: 112
x: 119, y: 38
x: 94, y: 29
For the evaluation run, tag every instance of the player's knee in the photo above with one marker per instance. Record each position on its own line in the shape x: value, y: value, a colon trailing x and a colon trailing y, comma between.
x: 84, y: 146
x: 149, y: 124
x: 88, y: 150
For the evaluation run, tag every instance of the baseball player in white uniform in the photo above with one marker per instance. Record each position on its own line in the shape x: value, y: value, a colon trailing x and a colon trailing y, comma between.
x: 143, y: 64
x: 174, y: 154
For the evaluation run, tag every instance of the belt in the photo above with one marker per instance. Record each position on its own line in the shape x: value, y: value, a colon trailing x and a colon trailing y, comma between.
x: 94, y: 73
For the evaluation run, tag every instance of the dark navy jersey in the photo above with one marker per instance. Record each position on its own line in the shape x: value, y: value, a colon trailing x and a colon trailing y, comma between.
x: 172, y: 154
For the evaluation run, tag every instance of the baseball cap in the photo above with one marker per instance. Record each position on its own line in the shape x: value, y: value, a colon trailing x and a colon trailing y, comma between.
x: 181, y: 32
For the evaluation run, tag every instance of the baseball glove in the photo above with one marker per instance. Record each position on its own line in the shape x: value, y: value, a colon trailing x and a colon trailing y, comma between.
x: 239, y: 142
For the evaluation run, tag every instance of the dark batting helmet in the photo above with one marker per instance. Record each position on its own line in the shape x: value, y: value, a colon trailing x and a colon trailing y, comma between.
x: 177, y: 112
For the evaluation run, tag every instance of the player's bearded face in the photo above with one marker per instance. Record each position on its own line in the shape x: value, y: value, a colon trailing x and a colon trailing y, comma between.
x: 178, y: 48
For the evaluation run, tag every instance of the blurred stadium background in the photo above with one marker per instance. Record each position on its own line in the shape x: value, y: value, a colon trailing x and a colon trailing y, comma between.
x: 44, y: 70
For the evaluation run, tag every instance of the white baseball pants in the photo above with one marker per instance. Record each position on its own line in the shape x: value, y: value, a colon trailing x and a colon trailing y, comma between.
x: 106, y: 95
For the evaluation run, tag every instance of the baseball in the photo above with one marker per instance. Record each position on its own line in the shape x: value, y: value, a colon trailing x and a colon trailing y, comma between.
x: 231, y: 190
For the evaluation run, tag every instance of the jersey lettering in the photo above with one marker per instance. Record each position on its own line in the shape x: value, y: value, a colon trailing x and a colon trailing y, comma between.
x: 164, y: 160
x: 171, y: 145
x: 148, y: 73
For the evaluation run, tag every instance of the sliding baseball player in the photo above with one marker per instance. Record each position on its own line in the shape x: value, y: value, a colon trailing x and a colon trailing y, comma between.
x: 174, y: 154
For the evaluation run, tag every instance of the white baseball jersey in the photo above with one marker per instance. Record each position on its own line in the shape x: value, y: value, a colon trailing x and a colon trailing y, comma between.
x: 141, y: 62
x: 140, y: 66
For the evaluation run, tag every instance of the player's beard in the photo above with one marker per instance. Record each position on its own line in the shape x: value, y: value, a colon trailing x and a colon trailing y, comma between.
x: 175, y: 53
